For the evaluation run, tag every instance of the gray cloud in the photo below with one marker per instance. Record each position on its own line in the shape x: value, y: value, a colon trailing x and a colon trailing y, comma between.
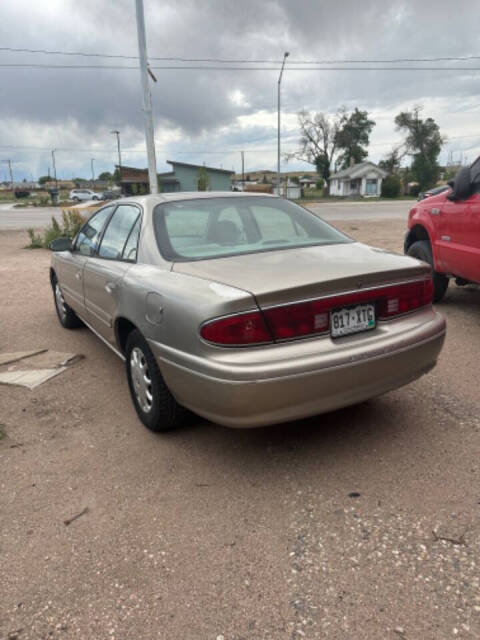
x: 197, y: 109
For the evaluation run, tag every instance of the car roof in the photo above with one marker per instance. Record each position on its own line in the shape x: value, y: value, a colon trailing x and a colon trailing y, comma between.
x: 175, y: 196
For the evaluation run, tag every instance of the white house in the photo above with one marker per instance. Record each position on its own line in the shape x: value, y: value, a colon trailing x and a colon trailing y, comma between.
x: 362, y: 179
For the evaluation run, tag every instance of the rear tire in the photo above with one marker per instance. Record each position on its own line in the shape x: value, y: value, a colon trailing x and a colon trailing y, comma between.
x: 421, y: 250
x: 67, y: 316
x: 155, y: 405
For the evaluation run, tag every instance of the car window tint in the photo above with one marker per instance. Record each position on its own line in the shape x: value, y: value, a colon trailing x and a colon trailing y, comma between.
x: 186, y: 226
x: 130, y: 251
x: 205, y: 228
x: 87, y: 238
x: 117, y: 232
x: 233, y: 218
x: 275, y: 224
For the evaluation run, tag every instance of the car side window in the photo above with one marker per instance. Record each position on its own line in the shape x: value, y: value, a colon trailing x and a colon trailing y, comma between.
x: 118, y: 231
x: 130, y: 251
x: 88, y: 236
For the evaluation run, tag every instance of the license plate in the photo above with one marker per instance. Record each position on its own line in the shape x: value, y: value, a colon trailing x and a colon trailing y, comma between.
x: 352, y: 320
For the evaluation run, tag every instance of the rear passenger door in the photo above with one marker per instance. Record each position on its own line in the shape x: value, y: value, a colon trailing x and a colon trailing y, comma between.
x: 104, y: 271
x: 70, y: 265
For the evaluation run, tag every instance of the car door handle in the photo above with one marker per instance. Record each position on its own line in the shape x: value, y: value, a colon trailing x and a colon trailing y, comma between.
x: 435, y: 212
x: 110, y: 287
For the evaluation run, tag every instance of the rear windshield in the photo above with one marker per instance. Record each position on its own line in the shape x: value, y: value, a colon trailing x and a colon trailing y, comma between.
x: 218, y: 227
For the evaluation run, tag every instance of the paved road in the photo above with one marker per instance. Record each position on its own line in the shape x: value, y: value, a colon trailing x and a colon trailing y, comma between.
x: 362, y: 524
x: 38, y: 218
x: 369, y: 210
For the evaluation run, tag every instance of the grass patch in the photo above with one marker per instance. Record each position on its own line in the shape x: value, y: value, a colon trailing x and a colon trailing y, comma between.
x: 3, y: 433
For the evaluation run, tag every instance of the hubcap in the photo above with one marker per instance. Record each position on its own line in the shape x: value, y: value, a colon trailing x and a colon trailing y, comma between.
x: 62, y: 309
x: 142, y: 383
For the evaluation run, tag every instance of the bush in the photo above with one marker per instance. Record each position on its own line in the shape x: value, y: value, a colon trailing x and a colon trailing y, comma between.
x: 414, y: 190
x: 70, y: 226
x: 36, y: 240
x: 320, y: 183
x: 22, y: 193
x: 391, y: 187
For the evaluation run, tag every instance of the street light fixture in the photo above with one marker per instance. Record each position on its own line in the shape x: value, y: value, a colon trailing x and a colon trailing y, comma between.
x: 285, y: 56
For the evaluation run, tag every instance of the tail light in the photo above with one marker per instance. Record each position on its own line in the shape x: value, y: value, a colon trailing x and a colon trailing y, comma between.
x: 313, y: 317
x: 403, y: 298
x: 237, y: 330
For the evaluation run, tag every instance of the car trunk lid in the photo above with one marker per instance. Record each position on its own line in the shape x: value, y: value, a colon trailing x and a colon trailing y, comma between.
x: 284, y: 276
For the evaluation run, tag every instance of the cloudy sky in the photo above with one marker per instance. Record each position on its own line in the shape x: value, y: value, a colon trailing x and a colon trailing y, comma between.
x: 208, y: 116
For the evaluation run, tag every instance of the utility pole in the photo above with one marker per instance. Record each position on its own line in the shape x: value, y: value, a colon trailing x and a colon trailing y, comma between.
x: 93, y: 173
x: 285, y: 56
x: 147, y: 99
x: 117, y: 133
x: 54, y: 169
x: 243, y: 170
x: 10, y: 171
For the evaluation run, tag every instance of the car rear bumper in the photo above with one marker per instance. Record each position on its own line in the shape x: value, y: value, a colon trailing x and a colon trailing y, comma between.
x: 253, y: 394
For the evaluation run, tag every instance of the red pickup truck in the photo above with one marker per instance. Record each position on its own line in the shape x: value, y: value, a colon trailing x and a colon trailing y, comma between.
x: 444, y: 230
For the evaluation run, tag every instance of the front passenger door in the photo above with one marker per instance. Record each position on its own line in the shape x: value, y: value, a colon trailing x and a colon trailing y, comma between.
x: 105, y: 270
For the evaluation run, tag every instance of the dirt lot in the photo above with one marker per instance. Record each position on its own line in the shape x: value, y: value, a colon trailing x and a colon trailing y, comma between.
x: 362, y: 524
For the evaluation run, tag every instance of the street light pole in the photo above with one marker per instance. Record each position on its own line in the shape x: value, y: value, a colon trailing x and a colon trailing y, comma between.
x: 54, y: 169
x: 147, y: 99
x: 117, y: 134
x: 285, y: 56
x: 243, y: 170
x: 93, y: 173
x: 10, y: 171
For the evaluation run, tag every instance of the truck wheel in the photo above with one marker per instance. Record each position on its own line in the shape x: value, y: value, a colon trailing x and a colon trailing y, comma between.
x: 421, y: 250
x: 155, y: 405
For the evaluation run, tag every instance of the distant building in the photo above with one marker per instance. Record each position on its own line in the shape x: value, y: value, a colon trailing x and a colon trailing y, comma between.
x: 183, y: 177
x: 362, y: 179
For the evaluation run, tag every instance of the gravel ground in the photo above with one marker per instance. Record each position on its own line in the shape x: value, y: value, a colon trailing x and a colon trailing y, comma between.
x: 362, y: 524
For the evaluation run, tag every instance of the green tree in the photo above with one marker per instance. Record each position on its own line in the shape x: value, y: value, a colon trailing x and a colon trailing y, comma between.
x: 391, y: 186
x: 43, y: 179
x: 318, y: 140
x: 353, y: 137
x: 392, y: 161
x: 322, y: 137
x: 203, y: 181
x: 106, y: 176
x: 423, y: 142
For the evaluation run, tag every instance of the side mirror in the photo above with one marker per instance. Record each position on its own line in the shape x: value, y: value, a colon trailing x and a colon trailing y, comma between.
x: 60, y: 244
x: 462, y: 187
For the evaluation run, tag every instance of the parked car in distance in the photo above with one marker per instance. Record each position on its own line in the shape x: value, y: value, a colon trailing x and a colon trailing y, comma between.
x: 80, y: 195
x: 245, y: 308
x: 110, y: 194
x: 444, y: 230
x: 433, y: 192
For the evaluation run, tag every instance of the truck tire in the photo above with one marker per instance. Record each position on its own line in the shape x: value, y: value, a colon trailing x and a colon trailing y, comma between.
x: 422, y: 251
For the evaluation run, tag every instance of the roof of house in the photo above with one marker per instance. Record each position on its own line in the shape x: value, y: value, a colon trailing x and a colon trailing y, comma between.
x: 357, y: 170
x: 199, y: 166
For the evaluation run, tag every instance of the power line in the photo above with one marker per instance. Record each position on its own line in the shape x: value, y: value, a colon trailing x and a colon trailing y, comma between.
x: 214, y: 68
x: 240, y: 60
